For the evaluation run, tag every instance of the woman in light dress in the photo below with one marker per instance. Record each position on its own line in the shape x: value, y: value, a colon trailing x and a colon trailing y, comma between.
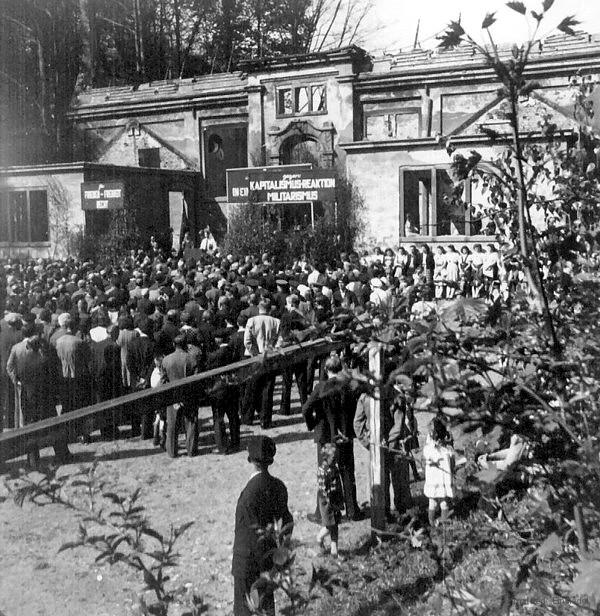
x: 452, y: 271
x: 439, y: 271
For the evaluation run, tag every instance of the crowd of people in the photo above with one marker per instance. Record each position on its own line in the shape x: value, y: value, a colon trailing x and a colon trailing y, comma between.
x: 75, y: 333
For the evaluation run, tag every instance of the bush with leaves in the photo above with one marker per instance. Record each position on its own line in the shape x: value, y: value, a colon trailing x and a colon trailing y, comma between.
x: 114, y: 525
x: 121, y: 237
x: 282, y: 576
x: 254, y: 229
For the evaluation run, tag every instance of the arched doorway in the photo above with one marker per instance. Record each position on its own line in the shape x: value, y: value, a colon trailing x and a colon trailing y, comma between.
x: 298, y: 149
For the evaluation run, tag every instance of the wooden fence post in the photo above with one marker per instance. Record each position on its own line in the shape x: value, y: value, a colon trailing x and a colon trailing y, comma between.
x: 580, y: 529
x: 377, y: 459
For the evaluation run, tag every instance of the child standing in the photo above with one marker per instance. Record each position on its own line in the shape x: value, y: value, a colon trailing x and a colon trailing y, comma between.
x: 438, y: 456
x: 159, y: 426
x: 331, y: 497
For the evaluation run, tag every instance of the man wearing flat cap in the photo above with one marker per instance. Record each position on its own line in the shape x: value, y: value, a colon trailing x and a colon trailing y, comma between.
x: 263, y: 501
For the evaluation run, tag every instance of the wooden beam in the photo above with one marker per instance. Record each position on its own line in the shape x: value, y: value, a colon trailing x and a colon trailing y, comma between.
x: 14, y: 443
x: 377, y: 459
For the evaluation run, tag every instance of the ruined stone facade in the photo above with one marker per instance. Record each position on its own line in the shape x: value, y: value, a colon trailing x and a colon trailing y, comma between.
x: 378, y: 120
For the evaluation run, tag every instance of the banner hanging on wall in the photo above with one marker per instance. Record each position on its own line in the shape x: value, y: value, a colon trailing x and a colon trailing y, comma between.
x: 102, y: 195
x: 283, y: 184
x: 286, y: 187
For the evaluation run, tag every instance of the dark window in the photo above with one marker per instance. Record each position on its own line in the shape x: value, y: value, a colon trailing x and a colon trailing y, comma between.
x: 24, y: 216
x: 18, y: 216
x: 4, y: 228
x: 225, y: 147
x: 38, y: 215
x: 149, y: 157
x: 429, y: 206
x: 284, y: 102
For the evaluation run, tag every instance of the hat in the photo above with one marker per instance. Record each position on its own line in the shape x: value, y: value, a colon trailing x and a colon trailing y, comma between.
x: 252, y: 282
x: 281, y: 282
x: 302, y: 289
x: 376, y: 283
x: 12, y: 318
x: 261, y: 449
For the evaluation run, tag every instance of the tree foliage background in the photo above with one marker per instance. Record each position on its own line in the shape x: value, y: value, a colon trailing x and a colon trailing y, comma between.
x: 52, y: 49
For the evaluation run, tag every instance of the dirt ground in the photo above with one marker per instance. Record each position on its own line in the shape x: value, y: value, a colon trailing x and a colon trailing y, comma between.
x: 36, y: 580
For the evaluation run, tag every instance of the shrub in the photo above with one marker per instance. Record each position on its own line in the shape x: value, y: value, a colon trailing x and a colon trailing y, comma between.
x: 255, y: 229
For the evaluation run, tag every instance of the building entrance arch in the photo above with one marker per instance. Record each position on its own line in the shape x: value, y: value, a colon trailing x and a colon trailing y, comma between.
x: 301, y: 142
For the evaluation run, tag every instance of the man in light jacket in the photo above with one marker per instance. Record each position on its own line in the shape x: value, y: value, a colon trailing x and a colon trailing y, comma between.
x: 262, y: 332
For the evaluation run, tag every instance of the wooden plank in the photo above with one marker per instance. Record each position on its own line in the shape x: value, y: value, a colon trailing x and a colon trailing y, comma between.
x: 14, y: 443
x: 376, y: 458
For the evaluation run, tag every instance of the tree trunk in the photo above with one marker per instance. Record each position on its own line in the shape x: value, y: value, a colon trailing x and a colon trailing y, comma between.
x: 138, y: 40
x: 85, y: 77
x: 529, y: 253
x: 177, y: 13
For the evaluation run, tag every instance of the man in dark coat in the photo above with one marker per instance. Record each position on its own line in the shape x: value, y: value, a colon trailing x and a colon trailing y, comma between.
x: 10, y: 334
x: 178, y: 365
x: 329, y: 412
x: 32, y: 372
x: 75, y: 360
x: 165, y: 337
x: 293, y: 323
x: 224, y: 399
x: 263, y: 501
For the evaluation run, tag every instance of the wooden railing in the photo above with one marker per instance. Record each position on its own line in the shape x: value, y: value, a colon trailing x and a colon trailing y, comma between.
x: 15, y: 443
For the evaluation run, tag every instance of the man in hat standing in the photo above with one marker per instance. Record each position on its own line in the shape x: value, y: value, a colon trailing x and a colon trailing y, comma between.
x: 263, y: 501
x: 10, y: 334
x: 32, y: 371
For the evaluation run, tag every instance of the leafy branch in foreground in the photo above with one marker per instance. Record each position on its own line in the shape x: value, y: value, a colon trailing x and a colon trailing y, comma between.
x: 510, y: 72
x: 282, y: 575
x: 113, y: 524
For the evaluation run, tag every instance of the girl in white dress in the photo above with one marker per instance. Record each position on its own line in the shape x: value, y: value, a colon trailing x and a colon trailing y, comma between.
x: 452, y: 271
x: 439, y: 271
x: 438, y: 456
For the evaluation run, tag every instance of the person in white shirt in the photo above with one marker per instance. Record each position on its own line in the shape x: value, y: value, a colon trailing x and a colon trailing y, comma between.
x: 207, y: 243
x: 261, y: 334
x: 489, y: 268
x: 380, y: 296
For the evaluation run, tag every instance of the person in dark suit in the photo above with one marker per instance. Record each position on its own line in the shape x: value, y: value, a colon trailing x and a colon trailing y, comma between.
x: 236, y: 340
x: 329, y: 412
x: 10, y: 334
x: 165, y: 337
x: 343, y: 293
x: 224, y: 400
x: 178, y: 365
x: 263, y: 501
x: 293, y: 323
x: 32, y: 371
x: 74, y: 363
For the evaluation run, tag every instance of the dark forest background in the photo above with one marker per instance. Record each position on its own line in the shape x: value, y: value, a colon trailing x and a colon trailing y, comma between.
x: 50, y: 50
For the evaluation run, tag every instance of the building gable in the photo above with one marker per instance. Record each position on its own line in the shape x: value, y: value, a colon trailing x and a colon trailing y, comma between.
x: 135, y: 145
x: 535, y: 114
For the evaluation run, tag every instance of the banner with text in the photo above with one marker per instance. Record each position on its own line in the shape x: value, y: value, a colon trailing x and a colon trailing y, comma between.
x: 281, y: 185
x: 102, y: 195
